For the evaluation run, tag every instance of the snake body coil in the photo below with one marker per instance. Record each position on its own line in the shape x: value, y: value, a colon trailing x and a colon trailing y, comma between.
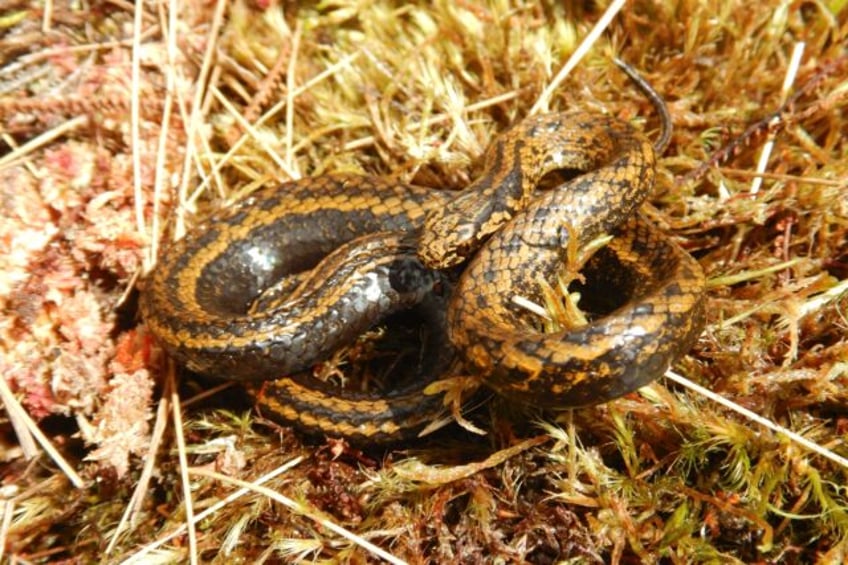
x: 612, y: 355
x: 352, y: 232
x: 197, y: 302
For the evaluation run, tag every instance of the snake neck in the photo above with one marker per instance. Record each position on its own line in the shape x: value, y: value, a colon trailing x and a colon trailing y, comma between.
x: 514, y: 165
x: 453, y: 233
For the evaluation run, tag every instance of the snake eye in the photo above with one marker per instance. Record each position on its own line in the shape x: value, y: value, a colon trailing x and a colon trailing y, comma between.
x: 465, y: 235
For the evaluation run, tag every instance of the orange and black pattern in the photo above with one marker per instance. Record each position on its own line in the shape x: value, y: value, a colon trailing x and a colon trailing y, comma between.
x: 377, y: 246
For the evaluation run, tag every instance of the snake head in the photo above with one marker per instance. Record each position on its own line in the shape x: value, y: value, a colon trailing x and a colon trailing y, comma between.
x: 447, y: 247
x: 451, y: 234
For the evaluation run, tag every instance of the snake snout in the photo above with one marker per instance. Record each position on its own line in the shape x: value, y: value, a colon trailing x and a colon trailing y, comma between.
x: 439, y: 251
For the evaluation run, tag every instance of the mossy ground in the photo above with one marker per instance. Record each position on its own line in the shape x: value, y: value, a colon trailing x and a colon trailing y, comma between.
x: 106, y: 152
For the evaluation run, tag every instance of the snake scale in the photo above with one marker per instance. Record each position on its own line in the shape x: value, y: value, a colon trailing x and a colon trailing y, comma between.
x: 225, y: 301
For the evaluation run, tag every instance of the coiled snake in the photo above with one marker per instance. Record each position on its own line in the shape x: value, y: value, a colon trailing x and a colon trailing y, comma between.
x: 381, y: 245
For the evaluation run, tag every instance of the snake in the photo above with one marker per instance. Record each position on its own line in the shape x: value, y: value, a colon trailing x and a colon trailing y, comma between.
x: 264, y: 289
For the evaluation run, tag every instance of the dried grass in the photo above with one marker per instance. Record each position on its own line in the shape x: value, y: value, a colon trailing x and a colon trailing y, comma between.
x: 114, y: 139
